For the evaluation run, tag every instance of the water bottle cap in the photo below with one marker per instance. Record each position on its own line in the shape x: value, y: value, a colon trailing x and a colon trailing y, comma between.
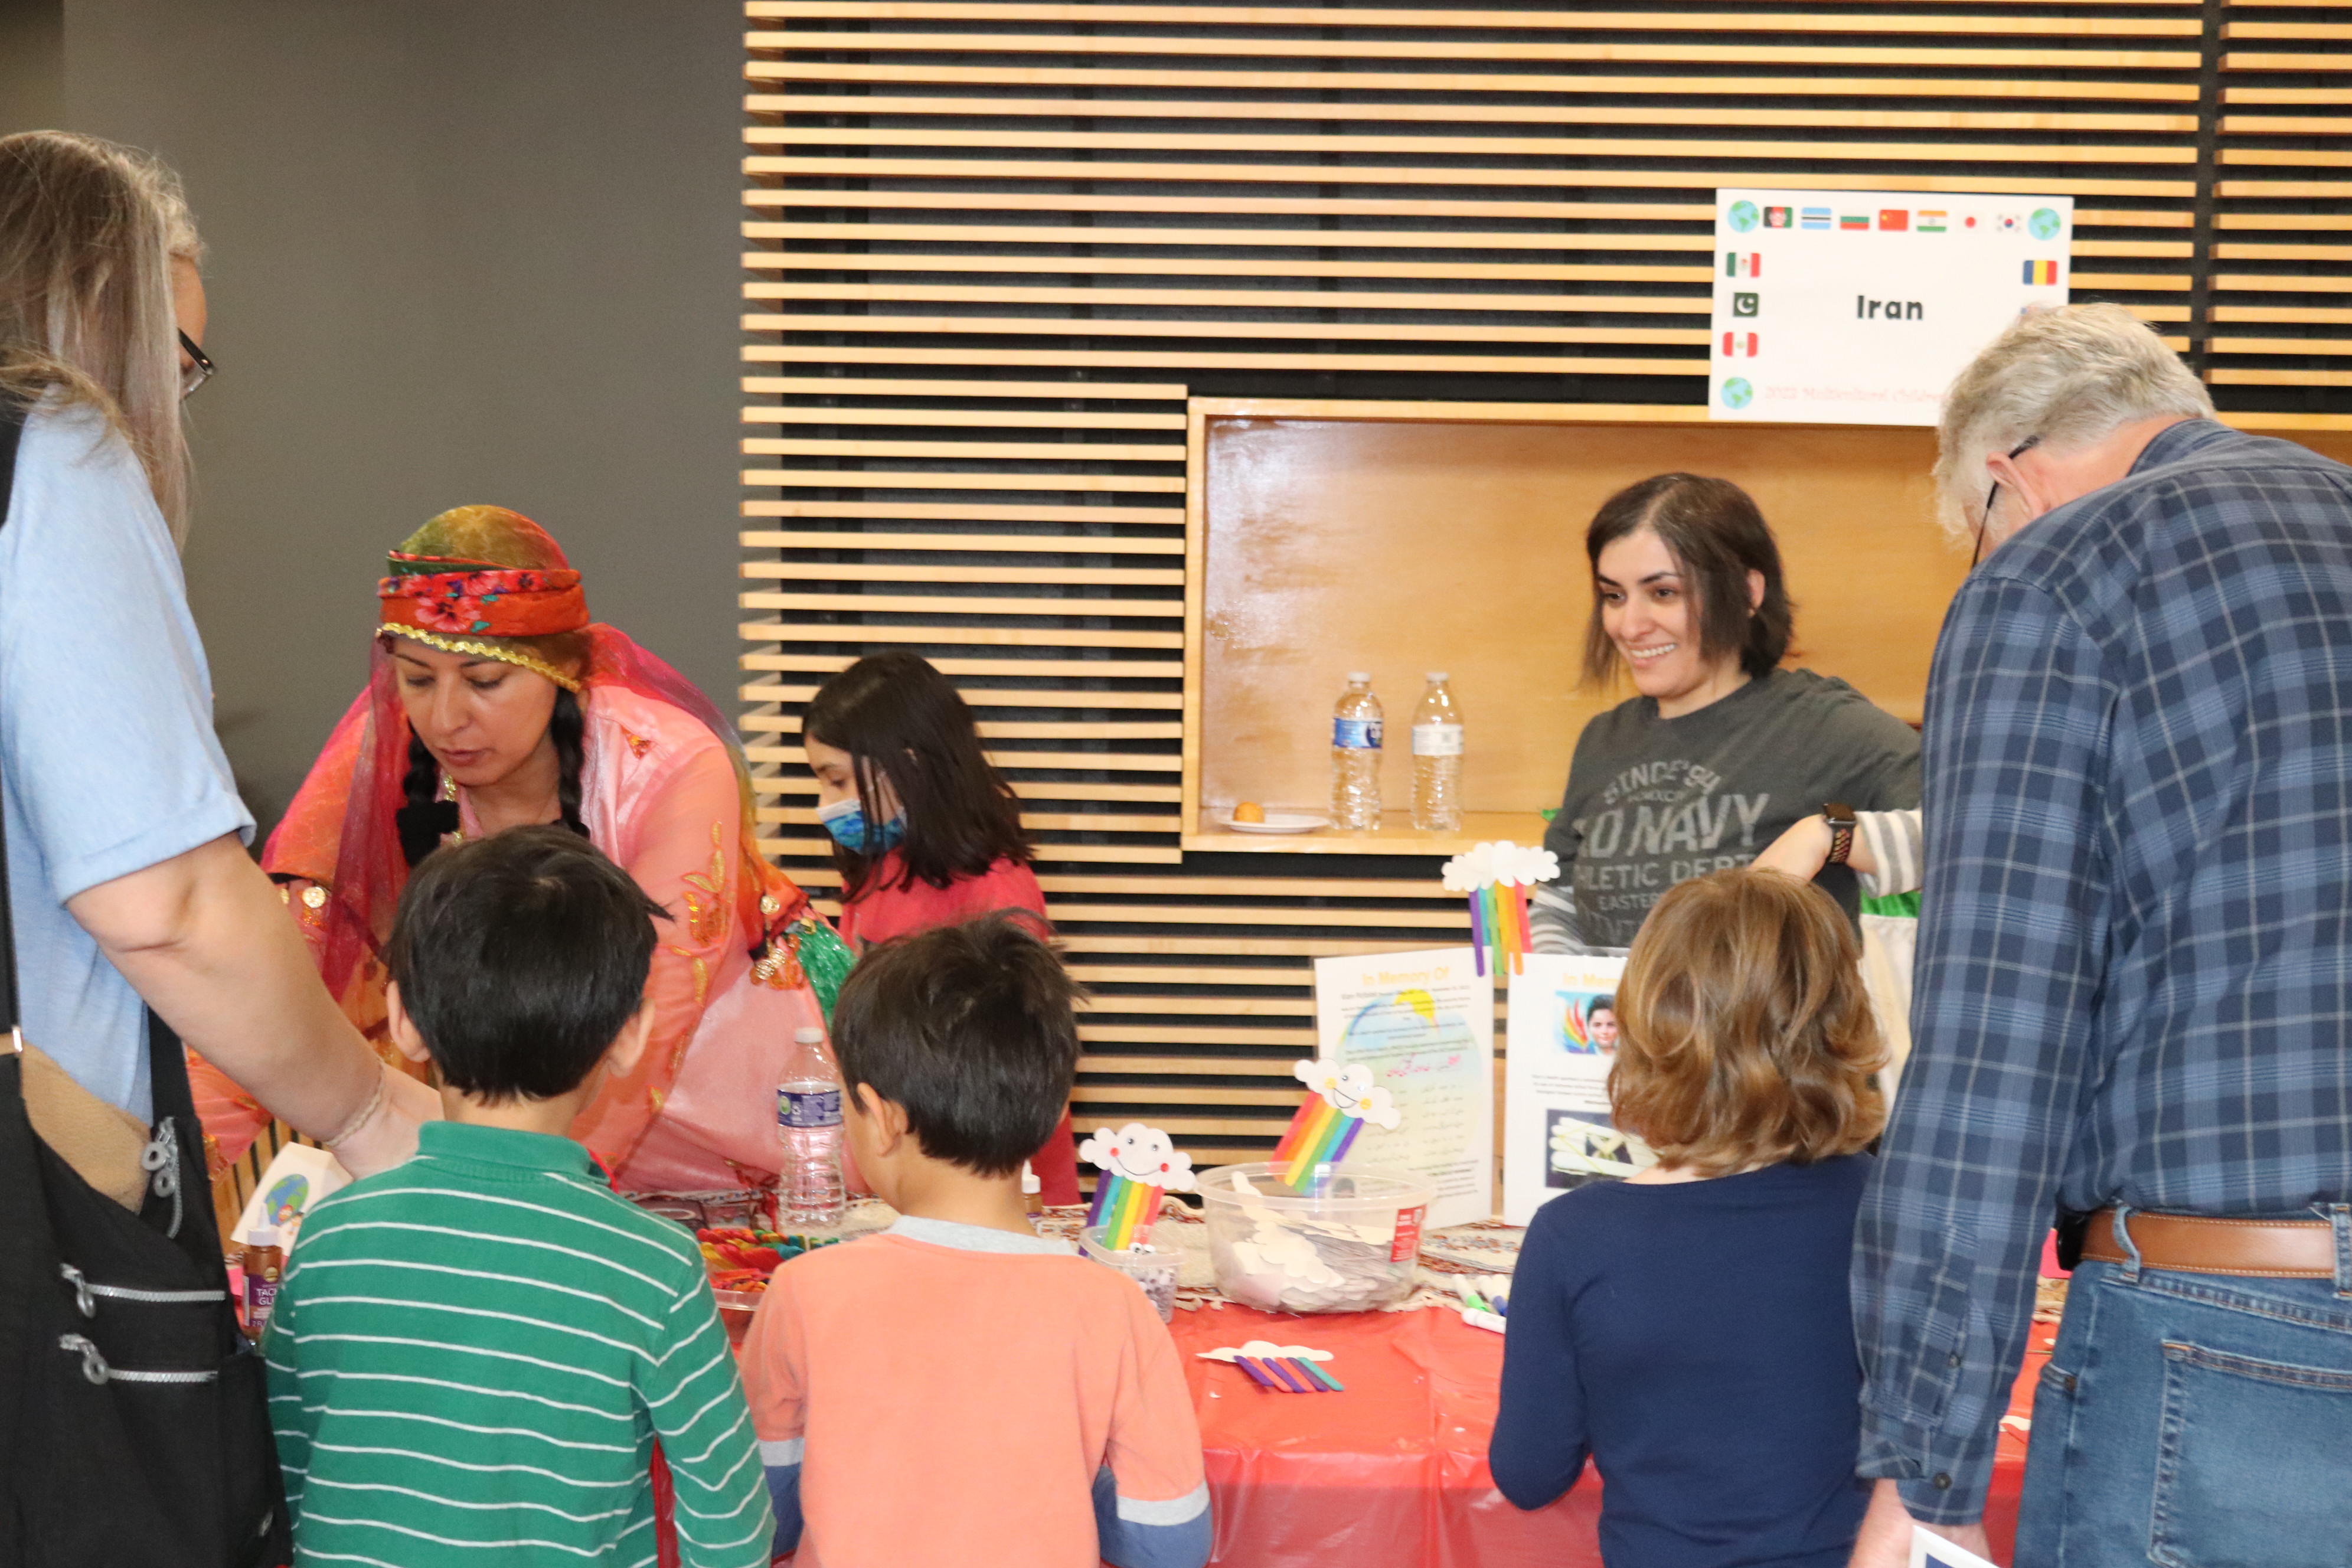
x: 1359, y: 677
x: 262, y: 1236
x: 808, y: 1037
x: 1435, y: 676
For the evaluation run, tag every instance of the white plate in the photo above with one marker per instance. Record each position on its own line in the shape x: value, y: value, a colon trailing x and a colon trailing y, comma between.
x: 1281, y: 822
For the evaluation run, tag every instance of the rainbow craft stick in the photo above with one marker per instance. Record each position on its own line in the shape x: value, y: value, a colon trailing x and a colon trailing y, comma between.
x: 1478, y: 930
x: 1126, y: 1209
x: 1317, y: 1373
x: 1275, y: 1366
x: 1320, y: 1135
x: 1255, y: 1376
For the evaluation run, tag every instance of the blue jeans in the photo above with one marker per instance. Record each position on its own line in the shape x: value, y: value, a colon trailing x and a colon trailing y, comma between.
x: 2195, y: 1421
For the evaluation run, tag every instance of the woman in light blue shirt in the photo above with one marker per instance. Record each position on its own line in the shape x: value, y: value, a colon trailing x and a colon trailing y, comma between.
x: 128, y: 878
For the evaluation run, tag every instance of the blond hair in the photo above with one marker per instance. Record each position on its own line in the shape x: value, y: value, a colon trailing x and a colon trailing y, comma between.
x: 1745, y: 1037
x: 2069, y: 376
x: 88, y: 231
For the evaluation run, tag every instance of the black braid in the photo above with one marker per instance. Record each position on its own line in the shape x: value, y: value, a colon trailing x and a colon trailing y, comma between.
x: 426, y: 818
x: 568, y: 728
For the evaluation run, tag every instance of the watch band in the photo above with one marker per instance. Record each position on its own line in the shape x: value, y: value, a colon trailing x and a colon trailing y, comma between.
x: 1841, y: 821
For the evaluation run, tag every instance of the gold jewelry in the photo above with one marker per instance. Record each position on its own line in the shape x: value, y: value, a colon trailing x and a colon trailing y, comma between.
x: 484, y: 650
x: 367, y: 1111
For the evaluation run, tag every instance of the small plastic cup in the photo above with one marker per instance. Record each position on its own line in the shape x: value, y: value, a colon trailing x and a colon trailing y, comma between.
x: 1153, y: 1272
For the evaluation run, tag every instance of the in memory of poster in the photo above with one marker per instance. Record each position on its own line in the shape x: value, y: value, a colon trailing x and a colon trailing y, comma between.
x: 1562, y: 1041
x: 1424, y: 1022
x: 1860, y: 307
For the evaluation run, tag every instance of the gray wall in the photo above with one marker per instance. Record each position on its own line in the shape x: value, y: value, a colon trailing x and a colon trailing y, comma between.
x: 462, y: 250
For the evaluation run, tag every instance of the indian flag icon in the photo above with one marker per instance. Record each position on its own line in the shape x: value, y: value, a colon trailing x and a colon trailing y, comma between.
x: 1929, y: 222
x: 2040, y: 272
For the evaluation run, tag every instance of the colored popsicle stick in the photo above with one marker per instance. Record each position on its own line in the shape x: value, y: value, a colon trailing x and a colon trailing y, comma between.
x: 1315, y: 1369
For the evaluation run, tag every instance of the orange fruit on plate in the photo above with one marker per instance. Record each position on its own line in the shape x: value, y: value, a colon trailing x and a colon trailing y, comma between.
x: 1249, y: 810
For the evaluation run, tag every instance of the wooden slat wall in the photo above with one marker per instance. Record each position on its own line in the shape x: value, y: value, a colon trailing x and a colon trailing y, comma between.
x: 2282, y: 283
x: 993, y: 248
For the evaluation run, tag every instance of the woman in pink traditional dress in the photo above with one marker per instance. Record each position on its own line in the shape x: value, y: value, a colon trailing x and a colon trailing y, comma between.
x: 494, y: 701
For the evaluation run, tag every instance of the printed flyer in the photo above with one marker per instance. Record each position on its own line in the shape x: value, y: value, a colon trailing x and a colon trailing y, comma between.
x: 1425, y: 1023
x: 1562, y: 1041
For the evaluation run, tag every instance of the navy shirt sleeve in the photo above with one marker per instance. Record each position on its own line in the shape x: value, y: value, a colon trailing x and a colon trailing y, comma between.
x: 1539, y: 1444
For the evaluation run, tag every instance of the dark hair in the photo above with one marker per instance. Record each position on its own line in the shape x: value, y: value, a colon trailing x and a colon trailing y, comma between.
x: 1717, y: 536
x: 519, y: 957
x: 1746, y: 1038
x: 1604, y: 1003
x: 897, y: 717
x: 426, y: 818
x: 971, y: 1028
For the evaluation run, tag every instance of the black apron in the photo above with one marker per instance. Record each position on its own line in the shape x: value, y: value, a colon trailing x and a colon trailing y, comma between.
x: 134, y: 1423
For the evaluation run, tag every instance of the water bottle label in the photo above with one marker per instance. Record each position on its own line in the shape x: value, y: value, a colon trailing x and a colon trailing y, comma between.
x: 1356, y: 735
x: 1437, y: 740
x: 821, y: 1108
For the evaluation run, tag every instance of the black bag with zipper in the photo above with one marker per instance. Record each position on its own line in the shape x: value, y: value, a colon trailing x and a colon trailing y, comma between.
x: 133, y: 1415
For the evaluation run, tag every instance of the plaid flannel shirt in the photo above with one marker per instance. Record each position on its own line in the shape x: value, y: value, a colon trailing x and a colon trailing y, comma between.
x: 2135, y: 962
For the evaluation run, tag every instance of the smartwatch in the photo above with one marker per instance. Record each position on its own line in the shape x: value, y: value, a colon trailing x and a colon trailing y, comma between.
x: 1841, y: 819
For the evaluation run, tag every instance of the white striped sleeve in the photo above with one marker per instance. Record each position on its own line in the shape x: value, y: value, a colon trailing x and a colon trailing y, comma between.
x: 1895, y: 840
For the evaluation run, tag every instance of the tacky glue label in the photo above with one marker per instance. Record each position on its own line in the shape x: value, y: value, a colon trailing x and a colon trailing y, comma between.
x: 1408, y: 1234
x: 260, y: 1295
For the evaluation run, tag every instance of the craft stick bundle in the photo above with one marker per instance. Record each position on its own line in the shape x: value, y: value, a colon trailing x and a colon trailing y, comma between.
x: 1496, y: 879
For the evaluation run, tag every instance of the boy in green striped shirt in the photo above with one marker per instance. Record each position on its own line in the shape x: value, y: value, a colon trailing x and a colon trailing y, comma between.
x: 473, y: 1354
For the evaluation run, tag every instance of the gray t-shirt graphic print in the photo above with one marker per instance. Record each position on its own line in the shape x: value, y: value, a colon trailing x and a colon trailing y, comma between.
x: 1652, y: 802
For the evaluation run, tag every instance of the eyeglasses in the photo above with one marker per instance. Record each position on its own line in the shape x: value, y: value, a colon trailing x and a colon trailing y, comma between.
x: 1986, y: 522
x: 198, y: 371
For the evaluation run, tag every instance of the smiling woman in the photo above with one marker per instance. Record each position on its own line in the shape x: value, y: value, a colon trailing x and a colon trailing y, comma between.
x: 496, y: 703
x: 1723, y: 750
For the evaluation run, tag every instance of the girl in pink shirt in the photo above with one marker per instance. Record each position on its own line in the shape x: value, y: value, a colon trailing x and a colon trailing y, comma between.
x: 926, y: 832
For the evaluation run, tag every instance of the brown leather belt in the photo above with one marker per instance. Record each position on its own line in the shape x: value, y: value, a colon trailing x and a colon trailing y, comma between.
x: 2191, y: 1243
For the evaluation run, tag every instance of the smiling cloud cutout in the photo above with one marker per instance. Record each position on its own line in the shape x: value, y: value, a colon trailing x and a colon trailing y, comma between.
x: 1142, y: 1154
x: 1349, y: 1091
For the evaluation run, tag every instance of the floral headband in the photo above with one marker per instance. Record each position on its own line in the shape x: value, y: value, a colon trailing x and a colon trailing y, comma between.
x: 451, y: 609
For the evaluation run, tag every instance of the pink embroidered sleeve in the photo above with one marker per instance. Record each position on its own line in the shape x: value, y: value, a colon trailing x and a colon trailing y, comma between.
x: 677, y: 842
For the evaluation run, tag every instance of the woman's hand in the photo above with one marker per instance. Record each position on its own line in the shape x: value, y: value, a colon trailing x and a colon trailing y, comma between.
x: 1804, y: 849
x: 1800, y: 852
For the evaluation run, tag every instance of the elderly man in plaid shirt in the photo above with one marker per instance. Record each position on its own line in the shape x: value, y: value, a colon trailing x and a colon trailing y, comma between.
x: 2135, y: 982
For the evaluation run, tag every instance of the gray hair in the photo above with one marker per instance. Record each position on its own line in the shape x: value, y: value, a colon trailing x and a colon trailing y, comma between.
x: 88, y: 231
x: 2070, y: 376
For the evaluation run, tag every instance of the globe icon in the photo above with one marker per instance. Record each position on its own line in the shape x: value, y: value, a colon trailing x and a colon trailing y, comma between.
x: 2044, y: 223
x: 1743, y: 216
x: 1737, y: 392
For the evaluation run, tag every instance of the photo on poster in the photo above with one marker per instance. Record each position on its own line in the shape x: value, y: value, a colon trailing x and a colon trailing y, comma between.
x: 1563, y: 1035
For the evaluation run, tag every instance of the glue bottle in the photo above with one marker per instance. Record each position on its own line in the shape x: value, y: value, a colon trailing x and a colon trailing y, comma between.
x: 263, y: 1262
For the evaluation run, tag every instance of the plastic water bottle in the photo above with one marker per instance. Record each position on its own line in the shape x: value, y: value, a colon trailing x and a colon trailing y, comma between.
x: 808, y: 1119
x: 1438, y: 759
x: 1356, y: 755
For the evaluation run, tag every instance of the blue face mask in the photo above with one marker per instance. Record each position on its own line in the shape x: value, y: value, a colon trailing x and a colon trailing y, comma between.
x: 846, y: 820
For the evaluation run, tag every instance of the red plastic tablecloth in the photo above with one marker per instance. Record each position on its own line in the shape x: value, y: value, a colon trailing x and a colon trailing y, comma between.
x: 1393, y: 1471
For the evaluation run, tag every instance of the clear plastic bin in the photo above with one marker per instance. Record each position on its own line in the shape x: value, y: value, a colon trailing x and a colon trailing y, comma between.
x: 1154, y: 1272
x: 1349, y: 1248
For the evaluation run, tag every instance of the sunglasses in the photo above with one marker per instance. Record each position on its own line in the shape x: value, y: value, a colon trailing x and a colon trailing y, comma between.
x: 199, y: 371
x: 1992, y: 495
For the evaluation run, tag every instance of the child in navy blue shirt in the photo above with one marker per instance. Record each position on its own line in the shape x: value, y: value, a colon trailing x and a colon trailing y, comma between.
x: 1687, y: 1328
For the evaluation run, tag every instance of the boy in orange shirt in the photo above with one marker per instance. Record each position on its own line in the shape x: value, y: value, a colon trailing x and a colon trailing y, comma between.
x: 958, y: 1389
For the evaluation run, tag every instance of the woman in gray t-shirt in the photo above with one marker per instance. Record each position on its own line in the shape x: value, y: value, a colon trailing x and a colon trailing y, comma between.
x: 1723, y: 750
